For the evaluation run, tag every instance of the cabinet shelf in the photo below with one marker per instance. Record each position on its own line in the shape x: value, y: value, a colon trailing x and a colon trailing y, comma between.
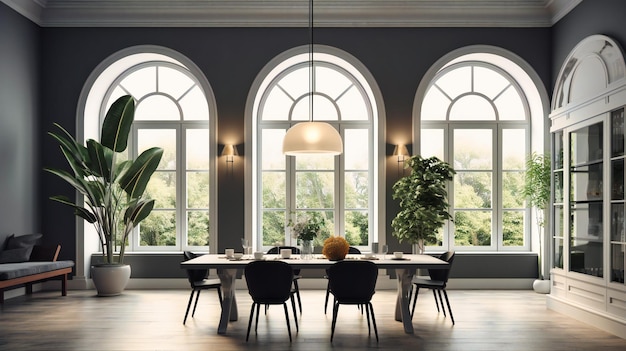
x: 591, y: 201
x: 595, y: 162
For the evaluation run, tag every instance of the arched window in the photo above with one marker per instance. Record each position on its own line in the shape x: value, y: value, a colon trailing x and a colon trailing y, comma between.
x: 476, y: 115
x: 174, y: 110
x: 341, y: 189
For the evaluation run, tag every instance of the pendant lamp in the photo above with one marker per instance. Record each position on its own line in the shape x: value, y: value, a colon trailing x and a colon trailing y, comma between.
x: 312, y: 137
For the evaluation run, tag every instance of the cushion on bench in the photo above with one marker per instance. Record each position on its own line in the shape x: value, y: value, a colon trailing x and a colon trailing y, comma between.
x: 16, y: 270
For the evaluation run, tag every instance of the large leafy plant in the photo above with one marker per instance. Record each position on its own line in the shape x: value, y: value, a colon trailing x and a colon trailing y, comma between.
x: 113, y: 190
x: 423, y: 200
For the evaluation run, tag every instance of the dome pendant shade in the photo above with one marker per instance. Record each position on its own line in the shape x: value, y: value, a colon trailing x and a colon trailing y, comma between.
x: 312, y: 138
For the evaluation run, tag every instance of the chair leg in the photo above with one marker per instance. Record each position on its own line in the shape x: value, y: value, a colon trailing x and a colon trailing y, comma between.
x: 448, y: 303
x: 287, y: 318
x: 326, y: 300
x: 332, y: 327
x: 193, y: 313
x: 367, y: 313
x: 417, y: 290
x: 256, y: 324
x: 297, y: 288
x: 250, y: 321
x: 295, y: 315
x: 436, y: 300
x: 441, y: 300
x: 188, y: 306
x: 373, y: 320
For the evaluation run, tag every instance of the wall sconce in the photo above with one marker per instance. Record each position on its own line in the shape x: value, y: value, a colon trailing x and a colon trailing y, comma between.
x: 401, y: 151
x: 230, y: 151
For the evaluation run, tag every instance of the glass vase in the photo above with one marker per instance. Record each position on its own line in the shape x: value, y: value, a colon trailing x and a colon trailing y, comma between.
x: 306, y: 251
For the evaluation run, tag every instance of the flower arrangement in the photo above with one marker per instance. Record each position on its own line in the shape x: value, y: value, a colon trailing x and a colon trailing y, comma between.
x: 335, y: 248
x: 307, y: 227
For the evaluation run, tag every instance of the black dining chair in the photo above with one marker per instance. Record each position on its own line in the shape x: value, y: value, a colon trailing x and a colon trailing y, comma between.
x: 351, y: 250
x: 296, y: 272
x: 198, y: 281
x: 437, y: 283
x: 353, y: 283
x: 269, y: 283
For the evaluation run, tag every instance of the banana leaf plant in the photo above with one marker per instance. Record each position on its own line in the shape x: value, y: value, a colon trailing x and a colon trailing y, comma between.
x: 113, y: 191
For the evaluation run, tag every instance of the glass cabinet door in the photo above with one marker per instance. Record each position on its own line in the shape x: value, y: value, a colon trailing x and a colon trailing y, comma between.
x: 618, y: 242
x: 557, y: 200
x: 586, y: 201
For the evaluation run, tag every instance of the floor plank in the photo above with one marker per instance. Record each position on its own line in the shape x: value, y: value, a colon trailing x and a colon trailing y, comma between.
x: 152, y: 320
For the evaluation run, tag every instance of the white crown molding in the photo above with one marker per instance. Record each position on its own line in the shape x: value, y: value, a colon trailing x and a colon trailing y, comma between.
x: 293, y: 13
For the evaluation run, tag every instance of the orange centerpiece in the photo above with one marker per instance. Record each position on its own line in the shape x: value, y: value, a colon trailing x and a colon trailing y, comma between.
x: 335, y: 248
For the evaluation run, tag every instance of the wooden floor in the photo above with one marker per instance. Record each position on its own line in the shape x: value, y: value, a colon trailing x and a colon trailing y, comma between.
x: 152, y: 320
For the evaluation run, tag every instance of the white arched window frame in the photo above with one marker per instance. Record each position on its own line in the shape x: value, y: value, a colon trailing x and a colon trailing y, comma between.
x: 94, y: 100
x: 287, y: 76
x: 484, y: 125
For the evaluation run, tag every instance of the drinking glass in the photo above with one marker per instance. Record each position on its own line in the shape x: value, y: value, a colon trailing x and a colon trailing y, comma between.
x: 374, y: 249
x: 385, y: 250
x: 245, y: 243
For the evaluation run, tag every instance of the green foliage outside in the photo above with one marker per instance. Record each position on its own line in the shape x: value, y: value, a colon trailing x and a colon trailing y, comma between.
x: 315, y: 197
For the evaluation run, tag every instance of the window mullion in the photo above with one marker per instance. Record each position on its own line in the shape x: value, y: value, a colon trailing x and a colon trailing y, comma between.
x: 181, y: 190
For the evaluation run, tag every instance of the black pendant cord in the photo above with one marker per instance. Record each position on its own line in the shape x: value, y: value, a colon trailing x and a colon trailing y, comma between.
x: 311, y: 74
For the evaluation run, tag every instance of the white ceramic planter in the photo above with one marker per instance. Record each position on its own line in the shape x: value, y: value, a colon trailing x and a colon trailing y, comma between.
x: 542, y: 286
x: 110, y: 280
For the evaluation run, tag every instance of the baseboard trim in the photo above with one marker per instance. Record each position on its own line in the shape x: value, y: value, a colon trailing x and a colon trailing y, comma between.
x: 590, y: 316
x: 384, y: 283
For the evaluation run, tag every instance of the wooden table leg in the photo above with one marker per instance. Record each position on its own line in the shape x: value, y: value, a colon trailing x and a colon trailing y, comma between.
x: 229, y: 303
x: 405, y: 277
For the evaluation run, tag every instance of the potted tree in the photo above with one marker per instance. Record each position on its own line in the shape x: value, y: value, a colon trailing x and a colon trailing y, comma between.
x: 537, y: 192
x: 423, y: 201
x: 113, y: 189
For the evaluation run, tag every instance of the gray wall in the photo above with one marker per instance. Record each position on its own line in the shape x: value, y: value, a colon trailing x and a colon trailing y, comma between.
x: 230, y: 58
x: 19, y: 119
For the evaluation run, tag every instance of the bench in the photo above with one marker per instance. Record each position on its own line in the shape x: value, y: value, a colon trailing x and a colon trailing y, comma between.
x: 42, y: 266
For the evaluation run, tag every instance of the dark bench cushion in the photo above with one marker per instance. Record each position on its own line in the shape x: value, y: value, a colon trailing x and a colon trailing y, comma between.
x: 16, y: 270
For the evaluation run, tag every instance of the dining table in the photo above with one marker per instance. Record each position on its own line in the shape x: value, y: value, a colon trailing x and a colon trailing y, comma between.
x: 229, y: 268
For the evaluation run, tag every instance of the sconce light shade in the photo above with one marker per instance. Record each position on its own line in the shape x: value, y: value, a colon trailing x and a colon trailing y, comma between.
x: 401, y: 151
x: 312, y: 138
x: 230, y: 150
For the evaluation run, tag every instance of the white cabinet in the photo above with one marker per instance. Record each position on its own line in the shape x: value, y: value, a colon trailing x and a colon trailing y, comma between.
x: 588, y: 207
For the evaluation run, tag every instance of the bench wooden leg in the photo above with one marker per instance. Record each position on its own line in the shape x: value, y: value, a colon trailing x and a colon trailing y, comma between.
x: 64, y: 285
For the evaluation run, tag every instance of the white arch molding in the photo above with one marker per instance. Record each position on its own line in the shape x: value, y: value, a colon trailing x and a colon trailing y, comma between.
x: 353, y: 66
x: 88, y: 111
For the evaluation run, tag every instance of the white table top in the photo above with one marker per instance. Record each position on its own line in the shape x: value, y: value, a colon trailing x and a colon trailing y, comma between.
x: 318, y: 261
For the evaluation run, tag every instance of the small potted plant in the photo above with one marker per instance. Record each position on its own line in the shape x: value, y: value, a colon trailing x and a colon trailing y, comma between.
x: 423, y: 201
x: 537, y: 192
x: 305, y: 229
x: 113, y: 189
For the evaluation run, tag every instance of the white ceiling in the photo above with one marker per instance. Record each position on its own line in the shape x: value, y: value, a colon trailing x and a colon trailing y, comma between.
x: 293, y: 13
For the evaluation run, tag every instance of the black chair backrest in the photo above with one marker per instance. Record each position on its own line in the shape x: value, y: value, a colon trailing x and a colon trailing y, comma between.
x: 269, y: 281
x: 442, y: 274
x: 194, y: 275
x: 276, y: 250
x: 353, y: 250
x: 353, y: 281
